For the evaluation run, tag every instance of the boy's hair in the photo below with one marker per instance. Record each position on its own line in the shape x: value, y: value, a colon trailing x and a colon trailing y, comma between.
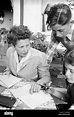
x: 69, y: 58
x: 58, y: 14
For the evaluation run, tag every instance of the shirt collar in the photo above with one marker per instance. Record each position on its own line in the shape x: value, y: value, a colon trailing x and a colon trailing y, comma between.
x: 24, y: 58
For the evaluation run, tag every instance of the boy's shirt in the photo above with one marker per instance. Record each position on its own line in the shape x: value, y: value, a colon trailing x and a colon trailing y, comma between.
x: 70, y: 92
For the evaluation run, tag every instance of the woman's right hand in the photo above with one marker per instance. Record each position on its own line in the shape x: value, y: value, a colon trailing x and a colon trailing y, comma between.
x: 35, y: 87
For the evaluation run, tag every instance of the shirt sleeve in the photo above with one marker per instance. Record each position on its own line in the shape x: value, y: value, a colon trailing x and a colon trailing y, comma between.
x: 71, y: 94
x: 43, y: 70
x: 10, y: 60
x: 50, y: 51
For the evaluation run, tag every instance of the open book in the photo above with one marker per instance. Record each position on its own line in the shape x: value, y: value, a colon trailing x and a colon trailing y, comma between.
x: 31, y: 100
x: 8, y: 81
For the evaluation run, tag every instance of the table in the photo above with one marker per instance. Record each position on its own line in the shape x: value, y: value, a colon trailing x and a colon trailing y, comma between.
x: 49, y: 105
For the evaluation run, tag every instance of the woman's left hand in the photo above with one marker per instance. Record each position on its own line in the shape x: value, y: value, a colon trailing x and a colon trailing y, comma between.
x: 35, y: 87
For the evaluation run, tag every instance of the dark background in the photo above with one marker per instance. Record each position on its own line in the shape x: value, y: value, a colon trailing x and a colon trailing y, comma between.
x: 5, y: 5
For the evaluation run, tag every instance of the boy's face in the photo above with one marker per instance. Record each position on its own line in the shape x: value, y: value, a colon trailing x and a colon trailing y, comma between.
x: 69, y: 73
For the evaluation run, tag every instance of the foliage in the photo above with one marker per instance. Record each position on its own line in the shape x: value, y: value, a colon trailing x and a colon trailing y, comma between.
x: 38, y: 42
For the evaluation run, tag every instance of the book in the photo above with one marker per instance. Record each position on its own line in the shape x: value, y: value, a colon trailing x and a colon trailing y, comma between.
x: 6, y: 101
x: 31, y: 100
x: 8, y: 81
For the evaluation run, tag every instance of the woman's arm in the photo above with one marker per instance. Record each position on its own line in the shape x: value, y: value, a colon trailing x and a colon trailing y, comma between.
x: 43, y: 71
x: 11, y: 61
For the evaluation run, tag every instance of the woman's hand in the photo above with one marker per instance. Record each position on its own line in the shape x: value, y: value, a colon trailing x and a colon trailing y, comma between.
x: 35, y: 87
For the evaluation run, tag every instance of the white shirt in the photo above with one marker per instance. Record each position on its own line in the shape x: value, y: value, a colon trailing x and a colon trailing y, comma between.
x: 21, y: 64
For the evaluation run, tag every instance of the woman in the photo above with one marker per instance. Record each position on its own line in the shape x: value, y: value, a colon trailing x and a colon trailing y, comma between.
x: 25, y: 61
x: 59, y: 20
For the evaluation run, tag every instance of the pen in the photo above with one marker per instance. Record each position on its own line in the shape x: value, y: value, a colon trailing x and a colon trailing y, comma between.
x: 45, y: 86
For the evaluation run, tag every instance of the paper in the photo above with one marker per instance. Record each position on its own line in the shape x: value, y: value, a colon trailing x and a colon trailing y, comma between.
x: 21, y: 91
x: 8, y: 81
x: 36, y: 99
x: 31, y: 100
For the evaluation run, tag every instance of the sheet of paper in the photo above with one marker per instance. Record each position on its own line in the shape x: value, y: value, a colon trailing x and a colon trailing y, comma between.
x: 9, y: 81
x: 36, y: 99
x: 21, y: 91
x: 31, y: 100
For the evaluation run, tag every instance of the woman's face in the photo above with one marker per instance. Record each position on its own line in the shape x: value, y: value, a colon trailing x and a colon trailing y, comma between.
x: 22, y: 47
x: 69, y: 73
x: 62, y: 30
